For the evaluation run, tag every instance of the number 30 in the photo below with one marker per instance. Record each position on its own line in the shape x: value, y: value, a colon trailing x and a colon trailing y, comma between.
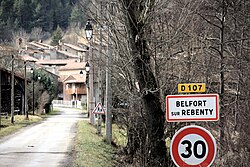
x: 195, y: 149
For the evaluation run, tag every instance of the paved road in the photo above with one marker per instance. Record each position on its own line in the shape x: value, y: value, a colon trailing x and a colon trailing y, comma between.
x: 44, y: 145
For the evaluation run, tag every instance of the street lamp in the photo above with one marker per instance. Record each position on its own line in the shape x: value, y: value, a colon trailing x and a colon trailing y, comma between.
x: 81, y: 74
x: 33, y: 100
x: 89, y: 34
x: 89, y: 30
x: 87, y: 67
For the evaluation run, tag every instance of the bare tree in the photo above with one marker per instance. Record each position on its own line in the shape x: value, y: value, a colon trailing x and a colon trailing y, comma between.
x: 158, y: 44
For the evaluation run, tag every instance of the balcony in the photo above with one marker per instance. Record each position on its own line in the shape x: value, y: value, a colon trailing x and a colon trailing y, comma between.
x: 76, y: 91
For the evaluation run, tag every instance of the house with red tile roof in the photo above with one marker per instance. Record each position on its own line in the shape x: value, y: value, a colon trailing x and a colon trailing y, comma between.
x: 65, y: 60
x: 54, y: 65
x: 74, y: 84
x: 74, y: 88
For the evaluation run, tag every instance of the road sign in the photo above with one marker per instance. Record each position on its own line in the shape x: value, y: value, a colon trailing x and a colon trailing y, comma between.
x: 193, y: 146
x: 191, y: 88
x: 200, y: 107
x: 99, y: 109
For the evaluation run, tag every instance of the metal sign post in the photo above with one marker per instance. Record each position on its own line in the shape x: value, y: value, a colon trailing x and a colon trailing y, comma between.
x: 99, y: 110
x: 99, y: 125
x: 192, y: 146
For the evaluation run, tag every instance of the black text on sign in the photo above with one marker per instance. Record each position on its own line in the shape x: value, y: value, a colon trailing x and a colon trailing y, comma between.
x: 191, y: 88
x: 203, y: 107
x: 193, y: 146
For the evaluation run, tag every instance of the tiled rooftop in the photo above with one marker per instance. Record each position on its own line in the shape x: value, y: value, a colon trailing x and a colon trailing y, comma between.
x: 55, y: 62
x: 75, y: 47
x: 27, y: 58
x: 68, y: 54
x: 73, y: 66
x: 75, y: 78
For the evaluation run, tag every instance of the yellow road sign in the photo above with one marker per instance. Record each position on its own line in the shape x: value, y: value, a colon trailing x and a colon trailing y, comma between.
x: 191, y: 88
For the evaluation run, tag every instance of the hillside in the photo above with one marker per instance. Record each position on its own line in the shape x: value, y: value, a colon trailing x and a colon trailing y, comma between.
x: 16, y: 15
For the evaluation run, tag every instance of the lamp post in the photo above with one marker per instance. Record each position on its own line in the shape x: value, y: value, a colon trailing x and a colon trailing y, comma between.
x: 25, y: 92
x: 12, y: 90
x: 89, y: 34
x: 87, y: 68
x: 33, y: 95
x: 26, y: 113
x: 89, y: 30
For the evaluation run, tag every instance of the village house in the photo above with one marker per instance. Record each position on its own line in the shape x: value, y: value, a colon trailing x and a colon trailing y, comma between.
x: 54, y: 65
x: 74, y: 84
x: 65, y: 60
x: 79, y: 52
x: 5, y: 91
x: 44, y: 51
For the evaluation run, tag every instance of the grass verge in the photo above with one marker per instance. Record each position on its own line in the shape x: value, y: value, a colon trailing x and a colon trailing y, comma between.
x: 90, y: 149
x: 119, y: 136
x: 20, y: 121
x: 55, y: 111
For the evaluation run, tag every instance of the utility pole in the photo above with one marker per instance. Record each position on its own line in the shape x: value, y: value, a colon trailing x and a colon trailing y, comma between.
x: 12, y: 89
x: 91, y: 85
x: 25, y: 90
x: 89, y: 33
x: 100, y: 56
x: 108, y: 99
x: 32, y: 71
x: 99, y: 125
x: 33, y: 94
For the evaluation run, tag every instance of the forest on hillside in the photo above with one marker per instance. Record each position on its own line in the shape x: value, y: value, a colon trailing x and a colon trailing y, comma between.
x: 16, y: 15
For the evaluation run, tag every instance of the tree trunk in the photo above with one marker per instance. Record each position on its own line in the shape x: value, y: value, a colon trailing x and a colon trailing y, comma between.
x: 155, y: 154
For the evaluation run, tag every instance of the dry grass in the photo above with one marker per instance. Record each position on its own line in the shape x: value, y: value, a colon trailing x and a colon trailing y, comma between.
x: 119, y: 136
x: 90, y: 149
x: 20, y: 121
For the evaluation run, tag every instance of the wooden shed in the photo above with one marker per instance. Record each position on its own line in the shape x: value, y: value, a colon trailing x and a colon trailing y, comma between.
x: 6, y: 92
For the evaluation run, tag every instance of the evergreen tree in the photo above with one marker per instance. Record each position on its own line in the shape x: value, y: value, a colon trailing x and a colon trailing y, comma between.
x: 6, y: 10
x: 61, y: 13
x: 43, y: 15
x: 57, y: 35
x: 27, y: 14
x: 77, y: 16
x: 24, y: 14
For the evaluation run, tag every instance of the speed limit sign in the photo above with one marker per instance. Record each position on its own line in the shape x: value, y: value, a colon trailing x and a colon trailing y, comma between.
x: 193, y: 146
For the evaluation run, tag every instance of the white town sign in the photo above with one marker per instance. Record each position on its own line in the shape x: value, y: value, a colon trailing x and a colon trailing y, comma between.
x: 196, y: 107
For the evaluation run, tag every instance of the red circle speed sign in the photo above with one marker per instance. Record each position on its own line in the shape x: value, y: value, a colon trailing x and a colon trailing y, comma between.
x: 193, y: 146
